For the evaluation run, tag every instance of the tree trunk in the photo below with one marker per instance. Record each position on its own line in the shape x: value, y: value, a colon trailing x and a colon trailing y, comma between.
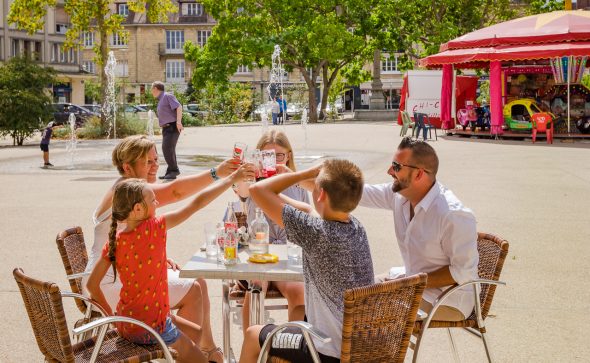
x: 312, y: 113
x: 327, y: 82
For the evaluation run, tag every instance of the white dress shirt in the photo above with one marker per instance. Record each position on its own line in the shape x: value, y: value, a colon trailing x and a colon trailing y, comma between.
x: 442, y: 233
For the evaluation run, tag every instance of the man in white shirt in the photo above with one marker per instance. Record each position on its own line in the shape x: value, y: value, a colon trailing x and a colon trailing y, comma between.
x: 436, y: 234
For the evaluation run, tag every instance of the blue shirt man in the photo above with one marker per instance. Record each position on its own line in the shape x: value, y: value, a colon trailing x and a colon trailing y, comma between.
x: 170, y: 119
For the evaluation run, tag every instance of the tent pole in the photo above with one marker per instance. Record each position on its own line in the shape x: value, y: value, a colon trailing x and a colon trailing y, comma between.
x: 568, y: 93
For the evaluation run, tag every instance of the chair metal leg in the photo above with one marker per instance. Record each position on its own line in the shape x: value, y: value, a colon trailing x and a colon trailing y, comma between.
x: 453, y: 346
x: 417, y: 345
x: 486, y: 346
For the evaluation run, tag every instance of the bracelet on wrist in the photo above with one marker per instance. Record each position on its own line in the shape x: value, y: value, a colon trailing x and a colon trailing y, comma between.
x: 213, y: 173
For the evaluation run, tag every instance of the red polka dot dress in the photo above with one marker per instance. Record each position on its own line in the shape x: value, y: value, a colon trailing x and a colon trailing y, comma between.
x: 141, y: 266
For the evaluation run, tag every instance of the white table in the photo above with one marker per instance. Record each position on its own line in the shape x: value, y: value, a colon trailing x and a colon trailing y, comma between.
x: 201, y: 266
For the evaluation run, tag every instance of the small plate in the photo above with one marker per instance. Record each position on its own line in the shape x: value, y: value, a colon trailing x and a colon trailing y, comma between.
x: 264, y: 258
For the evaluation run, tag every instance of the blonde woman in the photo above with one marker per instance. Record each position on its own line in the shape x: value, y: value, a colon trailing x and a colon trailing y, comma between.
x: 136, y: 157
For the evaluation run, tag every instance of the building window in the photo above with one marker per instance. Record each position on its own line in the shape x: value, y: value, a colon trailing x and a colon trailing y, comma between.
x: 15, y: 50
x: 88, y: 39
x: 122, y: 68
x: 174, y: 41
x: 389, y: 63
x: 118, y: 40
x: 37, y: 55
x: 89, y: 66
x: 61, y: 28
x: 63, y: 56
x: 55, y: 52
x: 27, y: 49
x: 123, y: 9
x: 202, y: 36
x: 175, y: 71
x: 194, y: 9
x: 243, y: 69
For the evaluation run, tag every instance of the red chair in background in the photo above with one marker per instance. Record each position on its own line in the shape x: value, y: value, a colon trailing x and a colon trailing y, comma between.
x: 542, y: 122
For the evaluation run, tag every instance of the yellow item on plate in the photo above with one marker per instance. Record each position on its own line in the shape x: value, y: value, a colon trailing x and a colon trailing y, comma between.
x: 264, y: 258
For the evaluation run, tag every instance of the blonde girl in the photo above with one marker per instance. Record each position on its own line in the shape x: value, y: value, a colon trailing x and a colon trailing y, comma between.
x: 293, y: 291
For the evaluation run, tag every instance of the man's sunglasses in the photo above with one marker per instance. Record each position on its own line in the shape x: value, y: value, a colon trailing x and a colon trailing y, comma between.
x: 397, y: 167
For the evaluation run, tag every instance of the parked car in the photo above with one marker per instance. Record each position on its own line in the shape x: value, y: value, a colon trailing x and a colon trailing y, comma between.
x: 146, y: 107
x: 339, y: 105
x: 193, y: 109
x: 294, y: 109
x: 62, y: 111
x: 263, y: 108
x: 94, y: 107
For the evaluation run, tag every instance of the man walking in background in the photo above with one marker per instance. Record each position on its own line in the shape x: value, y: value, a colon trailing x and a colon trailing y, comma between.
x: 169, y: 113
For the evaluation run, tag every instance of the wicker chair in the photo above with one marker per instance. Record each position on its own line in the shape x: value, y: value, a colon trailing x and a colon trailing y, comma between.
x: 72, y: 250
x: 43, y: 301
x: 492, y: 253
x: 377, y: 323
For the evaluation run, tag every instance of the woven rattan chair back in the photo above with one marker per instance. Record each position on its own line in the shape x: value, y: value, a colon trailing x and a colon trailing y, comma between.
x: 72, y: 250
x: 44, y: 307
x: 379, y: 319
x: 492, y: 254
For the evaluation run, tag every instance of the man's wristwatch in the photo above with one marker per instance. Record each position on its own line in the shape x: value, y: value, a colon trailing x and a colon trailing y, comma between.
x: 213, y: 173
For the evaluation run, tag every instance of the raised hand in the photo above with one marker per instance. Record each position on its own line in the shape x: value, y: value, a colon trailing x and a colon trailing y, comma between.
x: 244, y: 173
x: 227, y: 167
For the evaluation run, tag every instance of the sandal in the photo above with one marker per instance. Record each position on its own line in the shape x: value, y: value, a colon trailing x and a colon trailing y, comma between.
x: 210, y: 353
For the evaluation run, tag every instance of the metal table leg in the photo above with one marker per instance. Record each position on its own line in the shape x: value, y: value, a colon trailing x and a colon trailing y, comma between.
x: 225, y: 312
x: 256, y: 306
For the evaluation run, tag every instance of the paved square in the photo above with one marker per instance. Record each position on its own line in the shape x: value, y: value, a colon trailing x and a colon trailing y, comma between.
x: 535, y: 196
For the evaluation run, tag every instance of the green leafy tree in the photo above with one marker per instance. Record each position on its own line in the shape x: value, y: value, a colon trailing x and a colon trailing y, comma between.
x: 544, y: 6
x: 225, y: 102
x: 88, y: 16
x: 317, y: 37
x: 24, y: 99
x: 92, y: 90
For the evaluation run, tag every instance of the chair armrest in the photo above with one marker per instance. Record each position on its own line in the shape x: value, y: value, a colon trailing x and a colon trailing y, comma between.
x: 86, y: 299
x: 307, y: 330
x: 77, y: 276
x: 106, y: 321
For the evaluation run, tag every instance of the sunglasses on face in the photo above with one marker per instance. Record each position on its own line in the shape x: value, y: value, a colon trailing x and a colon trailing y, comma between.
x: 398, y: 166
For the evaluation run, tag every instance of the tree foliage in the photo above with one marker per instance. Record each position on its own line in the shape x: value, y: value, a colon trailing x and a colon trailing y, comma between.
x: 225, y: 102
x: 88, y: 16
x: 24, y: 98
x: 316, y: 37
x: 544, y: 6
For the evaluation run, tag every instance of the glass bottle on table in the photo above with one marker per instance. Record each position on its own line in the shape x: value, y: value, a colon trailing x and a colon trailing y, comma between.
x: 230, y: 222
x: 259, y: 230
x: 220, y: 236
x: 230, y: 250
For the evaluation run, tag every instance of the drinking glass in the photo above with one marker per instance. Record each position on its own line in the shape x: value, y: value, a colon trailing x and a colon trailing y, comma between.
x: 253, y: 157
x: 269, y: 162
x: 240, y: 151
x: 294, y: 252
x: 212, y: 248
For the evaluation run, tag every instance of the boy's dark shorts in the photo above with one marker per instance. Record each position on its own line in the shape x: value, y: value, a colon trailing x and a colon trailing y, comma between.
x: 45, y: 147
x: 290, y: 344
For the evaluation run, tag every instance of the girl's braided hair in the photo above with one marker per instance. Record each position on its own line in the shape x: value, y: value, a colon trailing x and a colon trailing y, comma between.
x: 127, y: 194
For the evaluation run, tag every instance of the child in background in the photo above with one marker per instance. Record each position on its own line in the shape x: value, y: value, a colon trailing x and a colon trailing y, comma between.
x: 138, y: 254
x: 45, y: 139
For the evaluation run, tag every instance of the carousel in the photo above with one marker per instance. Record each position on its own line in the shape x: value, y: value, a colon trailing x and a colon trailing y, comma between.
x: 535, y: 64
